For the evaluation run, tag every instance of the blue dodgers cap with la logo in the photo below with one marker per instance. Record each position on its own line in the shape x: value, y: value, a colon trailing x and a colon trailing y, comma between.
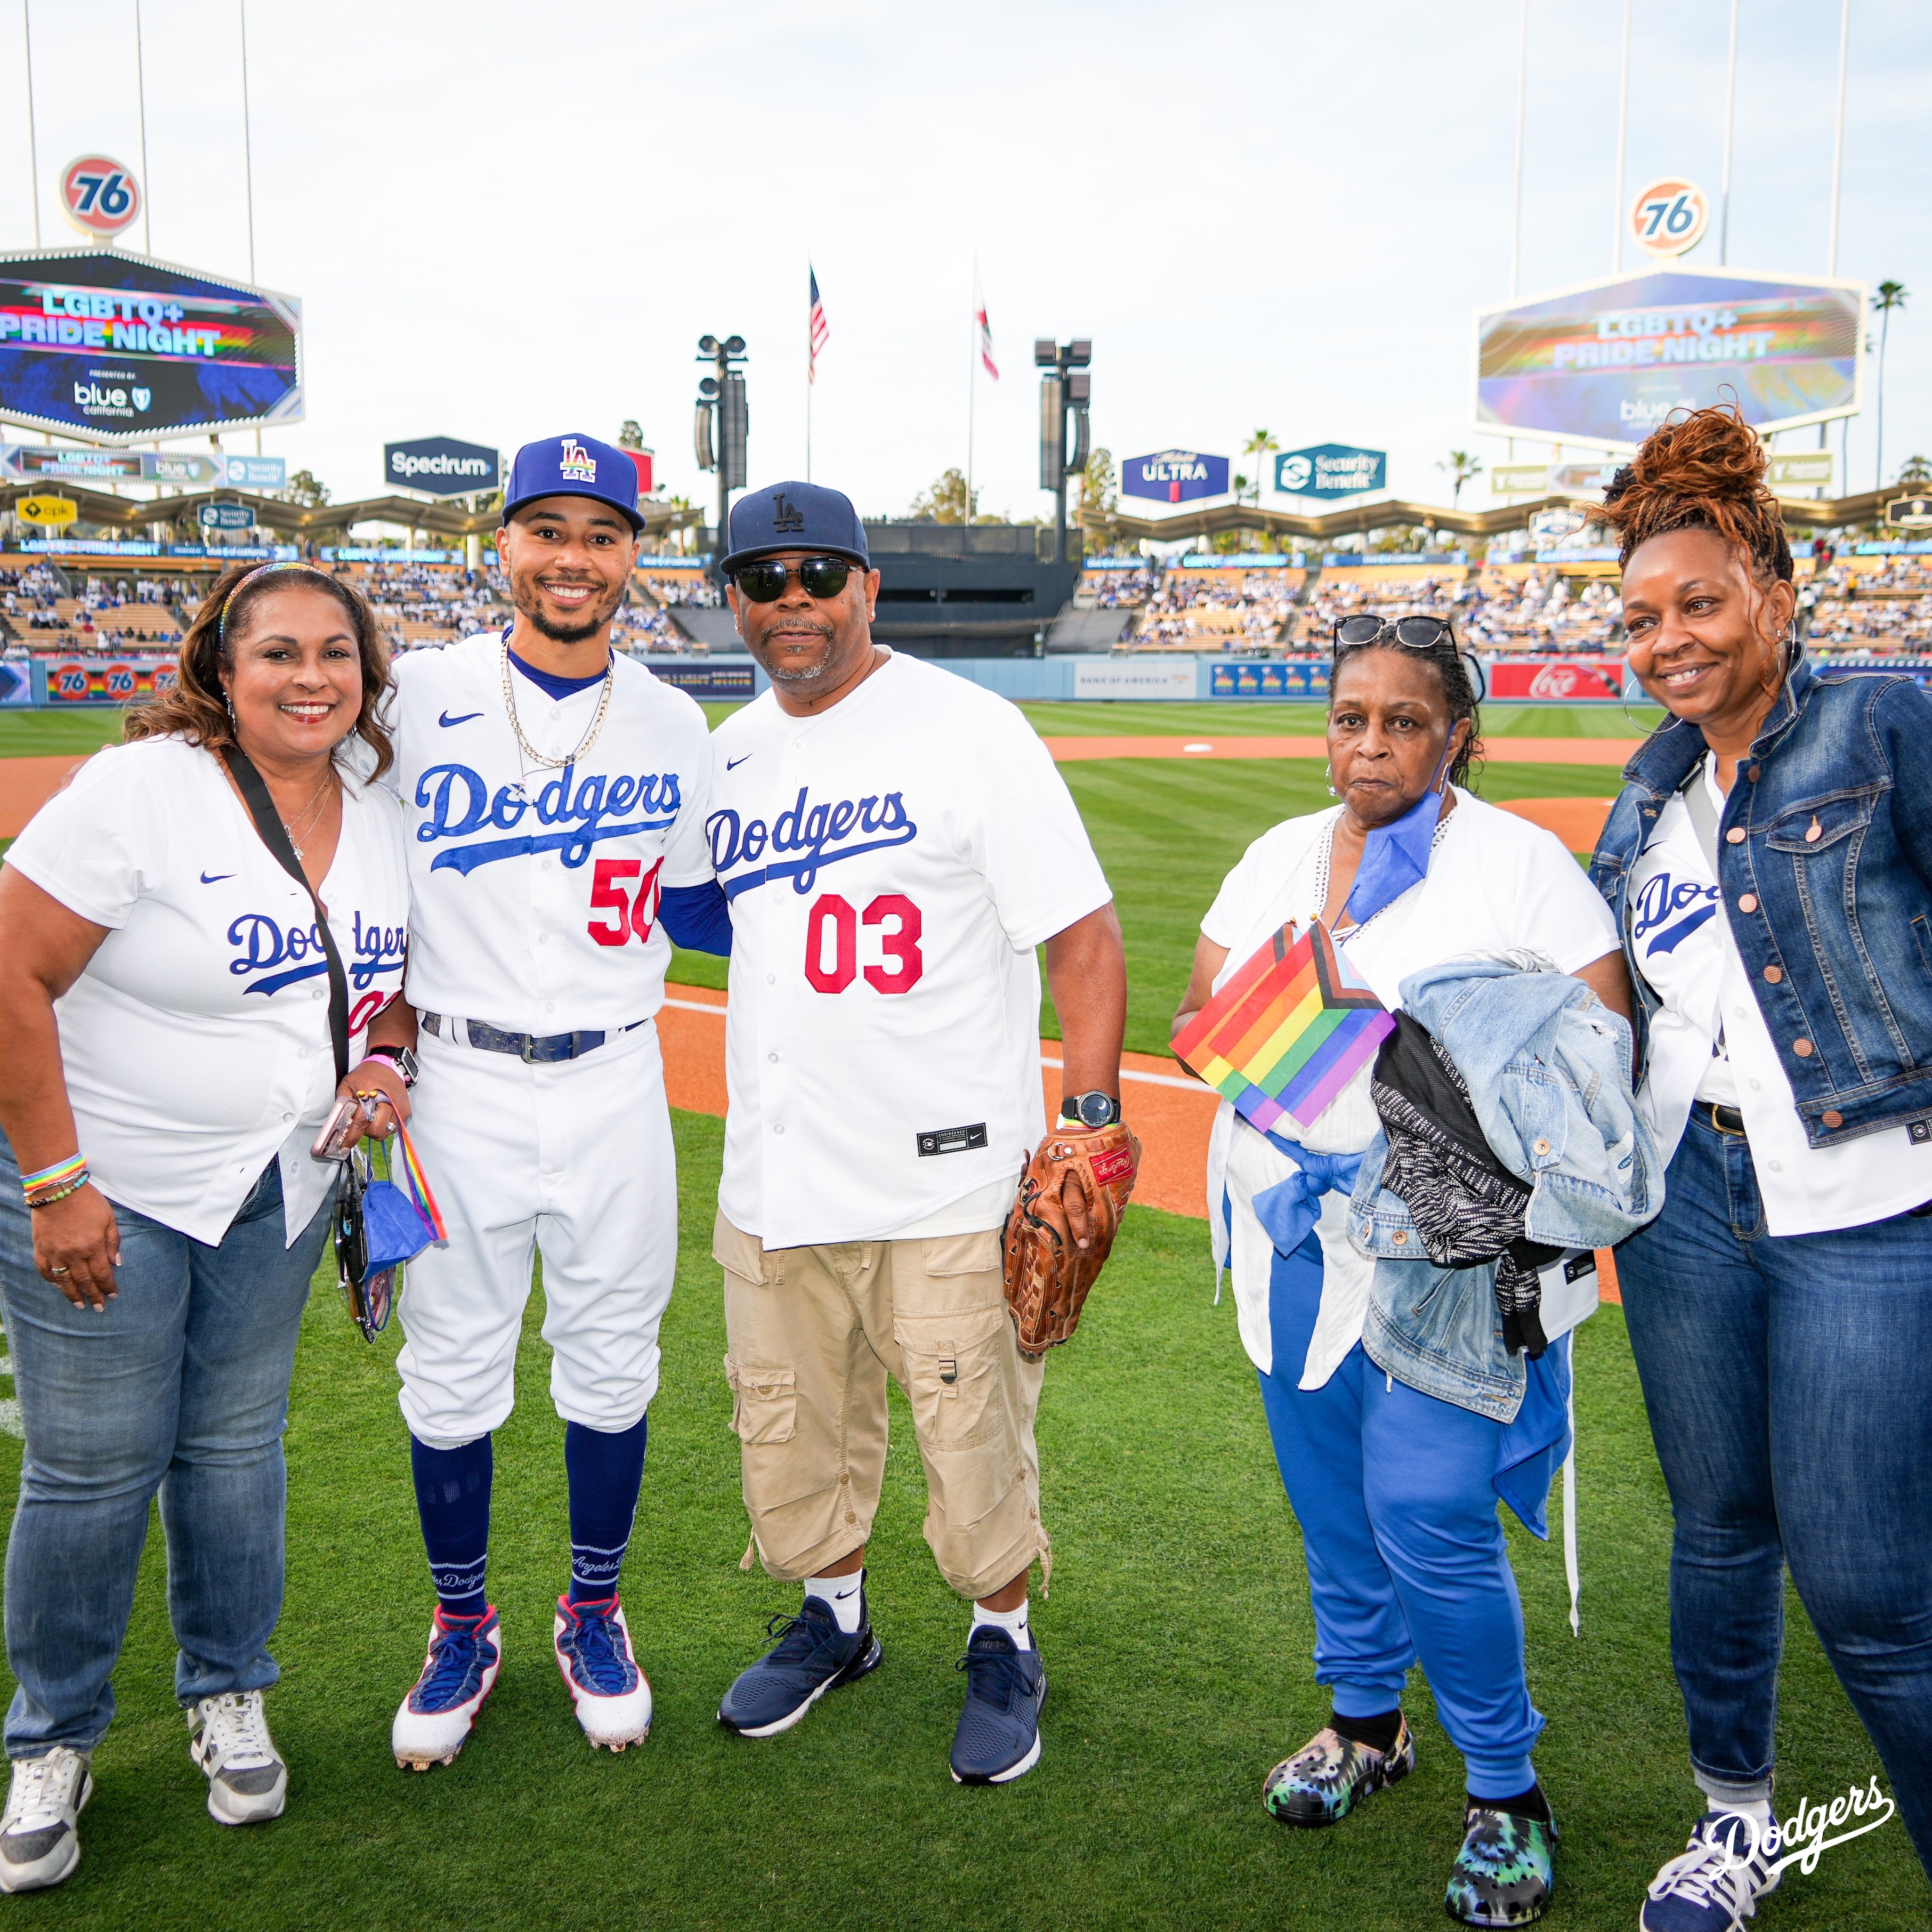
x: 574, y: 466
x: 795, y: 516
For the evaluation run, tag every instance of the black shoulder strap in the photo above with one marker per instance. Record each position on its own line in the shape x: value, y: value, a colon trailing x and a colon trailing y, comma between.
x: 274, y: 835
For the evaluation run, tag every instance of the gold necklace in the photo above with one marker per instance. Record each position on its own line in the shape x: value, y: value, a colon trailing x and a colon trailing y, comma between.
x: 301, y: 825
x: 584, y: 743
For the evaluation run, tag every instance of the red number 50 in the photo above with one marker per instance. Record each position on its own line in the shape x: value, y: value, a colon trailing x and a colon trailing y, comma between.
x: 607, y: 895
x: 899, y: 943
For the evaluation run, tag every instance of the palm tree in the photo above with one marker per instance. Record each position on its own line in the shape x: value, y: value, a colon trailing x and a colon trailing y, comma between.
x: 1890, y: 295
x: 1260, y: 445
x: 1462, y: 468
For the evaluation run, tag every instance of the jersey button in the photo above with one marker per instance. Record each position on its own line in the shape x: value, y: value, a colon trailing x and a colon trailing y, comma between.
x: 773, y: 1058
x: 771, y: 978
x: 779, y: 1128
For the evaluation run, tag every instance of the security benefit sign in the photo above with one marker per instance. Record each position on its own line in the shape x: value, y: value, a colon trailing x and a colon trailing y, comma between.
x: 112, y: 348
x: 439, y: 466
x: 1174, y: 476
x: 1607, y: 362
x: 1330, y: 469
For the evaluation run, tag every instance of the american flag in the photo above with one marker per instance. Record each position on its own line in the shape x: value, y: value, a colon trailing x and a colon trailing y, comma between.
x: 986, y: 331
x: 819, y: 329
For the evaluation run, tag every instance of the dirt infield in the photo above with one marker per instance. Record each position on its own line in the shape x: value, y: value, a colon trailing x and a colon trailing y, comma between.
x: 26, y: 785
x: 1612, y: 751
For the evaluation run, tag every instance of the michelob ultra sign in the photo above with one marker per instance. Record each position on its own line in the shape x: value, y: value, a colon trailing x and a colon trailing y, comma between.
x: 1174, y: 476
x: 1607, y: 362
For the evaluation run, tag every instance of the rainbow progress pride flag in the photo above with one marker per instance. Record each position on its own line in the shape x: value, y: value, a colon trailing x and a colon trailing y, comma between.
x: 1287, y: 1032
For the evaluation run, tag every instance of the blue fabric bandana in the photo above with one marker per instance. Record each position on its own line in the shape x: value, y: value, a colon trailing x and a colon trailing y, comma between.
x: 1394, y: 857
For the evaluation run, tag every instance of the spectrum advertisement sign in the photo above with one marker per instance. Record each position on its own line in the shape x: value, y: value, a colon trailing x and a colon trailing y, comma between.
x: 1174, y: 476
x: 439, y: 465
x: 1607, y: 362
x: 115, y: 348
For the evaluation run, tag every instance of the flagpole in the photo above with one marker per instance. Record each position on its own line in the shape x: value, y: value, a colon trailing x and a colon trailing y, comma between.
x: 972, y: 384
x: 808, y: 372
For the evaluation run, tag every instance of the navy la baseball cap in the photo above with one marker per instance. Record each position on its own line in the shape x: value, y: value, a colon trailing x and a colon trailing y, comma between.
x: 574, y: 466
x: 795, y: 516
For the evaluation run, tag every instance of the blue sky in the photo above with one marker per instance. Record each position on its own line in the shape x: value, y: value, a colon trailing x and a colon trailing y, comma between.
x: 506, y: 221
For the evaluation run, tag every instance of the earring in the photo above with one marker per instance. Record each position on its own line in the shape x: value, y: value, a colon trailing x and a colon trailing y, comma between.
x: 1328, y: 779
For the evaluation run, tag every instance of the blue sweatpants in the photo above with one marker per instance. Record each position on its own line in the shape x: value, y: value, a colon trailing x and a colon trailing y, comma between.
x: 1394, y: 1493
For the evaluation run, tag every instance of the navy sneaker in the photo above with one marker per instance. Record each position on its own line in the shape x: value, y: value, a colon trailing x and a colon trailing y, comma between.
x: 998, y: 1737
x: 812, y: 1656
x: 1716, y: 1885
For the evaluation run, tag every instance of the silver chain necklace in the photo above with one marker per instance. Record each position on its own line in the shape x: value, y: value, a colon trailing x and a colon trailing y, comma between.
x: 583, y: 744
x: 301, y: 825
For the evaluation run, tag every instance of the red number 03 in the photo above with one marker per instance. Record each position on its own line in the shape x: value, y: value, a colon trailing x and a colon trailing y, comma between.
x: 832, y: 919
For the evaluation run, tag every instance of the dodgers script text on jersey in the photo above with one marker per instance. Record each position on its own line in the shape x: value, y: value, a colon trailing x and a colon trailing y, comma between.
x: 891, y: 865
x: 535, y: 886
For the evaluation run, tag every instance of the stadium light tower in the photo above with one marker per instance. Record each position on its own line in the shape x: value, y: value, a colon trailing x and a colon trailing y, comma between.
x: 1067, y: 389
x: 719, y: 432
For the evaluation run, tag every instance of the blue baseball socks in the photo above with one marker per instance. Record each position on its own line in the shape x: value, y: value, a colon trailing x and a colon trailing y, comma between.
x: 453, y: 1500
x: 606, y: 1471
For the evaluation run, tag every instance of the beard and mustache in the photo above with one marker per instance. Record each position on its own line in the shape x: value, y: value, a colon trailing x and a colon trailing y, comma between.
x: 526, y: 596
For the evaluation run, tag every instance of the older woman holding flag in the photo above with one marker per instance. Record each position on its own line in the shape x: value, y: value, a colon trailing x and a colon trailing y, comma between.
x: 1395, y: 1486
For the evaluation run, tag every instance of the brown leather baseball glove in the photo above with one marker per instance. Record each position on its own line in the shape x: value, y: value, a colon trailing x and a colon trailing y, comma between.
x: 1048, y: 1273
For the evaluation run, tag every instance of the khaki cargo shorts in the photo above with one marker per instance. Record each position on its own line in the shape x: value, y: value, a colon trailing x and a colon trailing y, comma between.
x: 814, y: 1333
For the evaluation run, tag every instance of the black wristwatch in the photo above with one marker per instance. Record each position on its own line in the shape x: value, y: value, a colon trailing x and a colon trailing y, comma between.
x: 401, y: 1057
x: 1089, y: 1110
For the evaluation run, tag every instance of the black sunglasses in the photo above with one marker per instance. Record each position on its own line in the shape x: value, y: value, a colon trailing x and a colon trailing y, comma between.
x: 764, y: 580
x: 1414, y: 634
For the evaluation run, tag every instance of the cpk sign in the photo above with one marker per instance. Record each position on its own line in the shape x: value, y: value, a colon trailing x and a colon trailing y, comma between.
x: 100, y: 196
x: 1551, y: 680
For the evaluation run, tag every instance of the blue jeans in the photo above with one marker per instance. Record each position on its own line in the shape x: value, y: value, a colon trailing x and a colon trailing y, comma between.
x: 1789, y: 1381
x: 1395, y: 1493
x: 180, y: 1386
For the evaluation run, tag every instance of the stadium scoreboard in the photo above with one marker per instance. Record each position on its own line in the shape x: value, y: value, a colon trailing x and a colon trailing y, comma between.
x: 116, y: 348
x: 1607, y: 362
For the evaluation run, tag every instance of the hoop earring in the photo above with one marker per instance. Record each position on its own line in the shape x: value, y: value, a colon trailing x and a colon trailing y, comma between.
x: 1328, y: 779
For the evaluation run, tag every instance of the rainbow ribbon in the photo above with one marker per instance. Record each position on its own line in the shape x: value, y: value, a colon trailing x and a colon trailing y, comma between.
x: 1287, y: 1031
x: 418, y: 1185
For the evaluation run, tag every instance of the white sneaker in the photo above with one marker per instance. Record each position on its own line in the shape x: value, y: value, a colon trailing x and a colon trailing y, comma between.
x: 1716, y: 1885
x: 228, y: 1737
x: 433, y: 1722
x: 612, y: 1695
x: 40, y: 1844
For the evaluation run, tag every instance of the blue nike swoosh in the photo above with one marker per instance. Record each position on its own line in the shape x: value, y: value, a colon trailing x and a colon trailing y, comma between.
x: 732, y: 764
x: 445, y: 720
x: 215, y: 878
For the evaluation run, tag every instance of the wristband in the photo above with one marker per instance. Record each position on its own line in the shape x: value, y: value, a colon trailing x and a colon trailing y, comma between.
x: 52, y: 1176
x: 55, y: 1182
x: 46, y: 1197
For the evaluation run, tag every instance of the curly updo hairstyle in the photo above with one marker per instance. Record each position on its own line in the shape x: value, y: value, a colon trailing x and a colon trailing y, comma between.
x: 197, y: 708
x: 1704, y: 472
x: 1452, y: 672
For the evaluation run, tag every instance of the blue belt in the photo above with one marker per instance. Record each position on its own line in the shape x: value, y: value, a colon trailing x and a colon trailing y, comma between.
x: 533, y: 1049
x: 1288, y: 1210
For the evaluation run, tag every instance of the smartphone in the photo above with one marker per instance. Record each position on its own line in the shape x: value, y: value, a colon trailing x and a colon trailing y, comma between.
x: 333, y: 1143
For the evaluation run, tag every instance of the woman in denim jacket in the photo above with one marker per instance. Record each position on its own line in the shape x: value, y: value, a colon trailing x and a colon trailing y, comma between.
x: 1769, y: 861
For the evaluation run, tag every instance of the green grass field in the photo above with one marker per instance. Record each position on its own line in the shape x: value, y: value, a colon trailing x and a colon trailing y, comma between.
x: 1178, y: 1635
x: 1258, y: 719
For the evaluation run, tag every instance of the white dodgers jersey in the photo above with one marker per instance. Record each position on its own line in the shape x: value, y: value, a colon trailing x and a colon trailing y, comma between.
x: 534, y: 888
x: 891, y: 865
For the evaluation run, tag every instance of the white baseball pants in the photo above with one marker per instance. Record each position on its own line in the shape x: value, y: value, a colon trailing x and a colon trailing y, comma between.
x: 574, y: 1161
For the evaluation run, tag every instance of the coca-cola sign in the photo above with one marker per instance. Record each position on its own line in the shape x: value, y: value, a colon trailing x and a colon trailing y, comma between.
x: 1555, y: 680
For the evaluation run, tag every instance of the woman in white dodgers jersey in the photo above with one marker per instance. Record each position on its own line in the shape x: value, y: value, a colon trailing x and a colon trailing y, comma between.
x: 894, y: 843
x: 554, y: 796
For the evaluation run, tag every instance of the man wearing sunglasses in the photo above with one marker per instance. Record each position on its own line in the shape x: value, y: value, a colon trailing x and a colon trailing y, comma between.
x: 894, y: 843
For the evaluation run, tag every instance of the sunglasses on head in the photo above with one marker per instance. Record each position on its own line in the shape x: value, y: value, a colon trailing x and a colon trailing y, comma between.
x: 1414, y: 634
x: 763, y: 580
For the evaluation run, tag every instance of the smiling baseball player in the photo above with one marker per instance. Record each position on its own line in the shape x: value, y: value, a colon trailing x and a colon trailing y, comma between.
x: 894, y: 843
x: 554, y: 796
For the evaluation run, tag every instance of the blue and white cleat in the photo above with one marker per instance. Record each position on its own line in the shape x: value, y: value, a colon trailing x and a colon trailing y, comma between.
x: 612, y: 1695
x: 812, y: 1656
x: 435, y: 1719
x: 998, y: 1737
